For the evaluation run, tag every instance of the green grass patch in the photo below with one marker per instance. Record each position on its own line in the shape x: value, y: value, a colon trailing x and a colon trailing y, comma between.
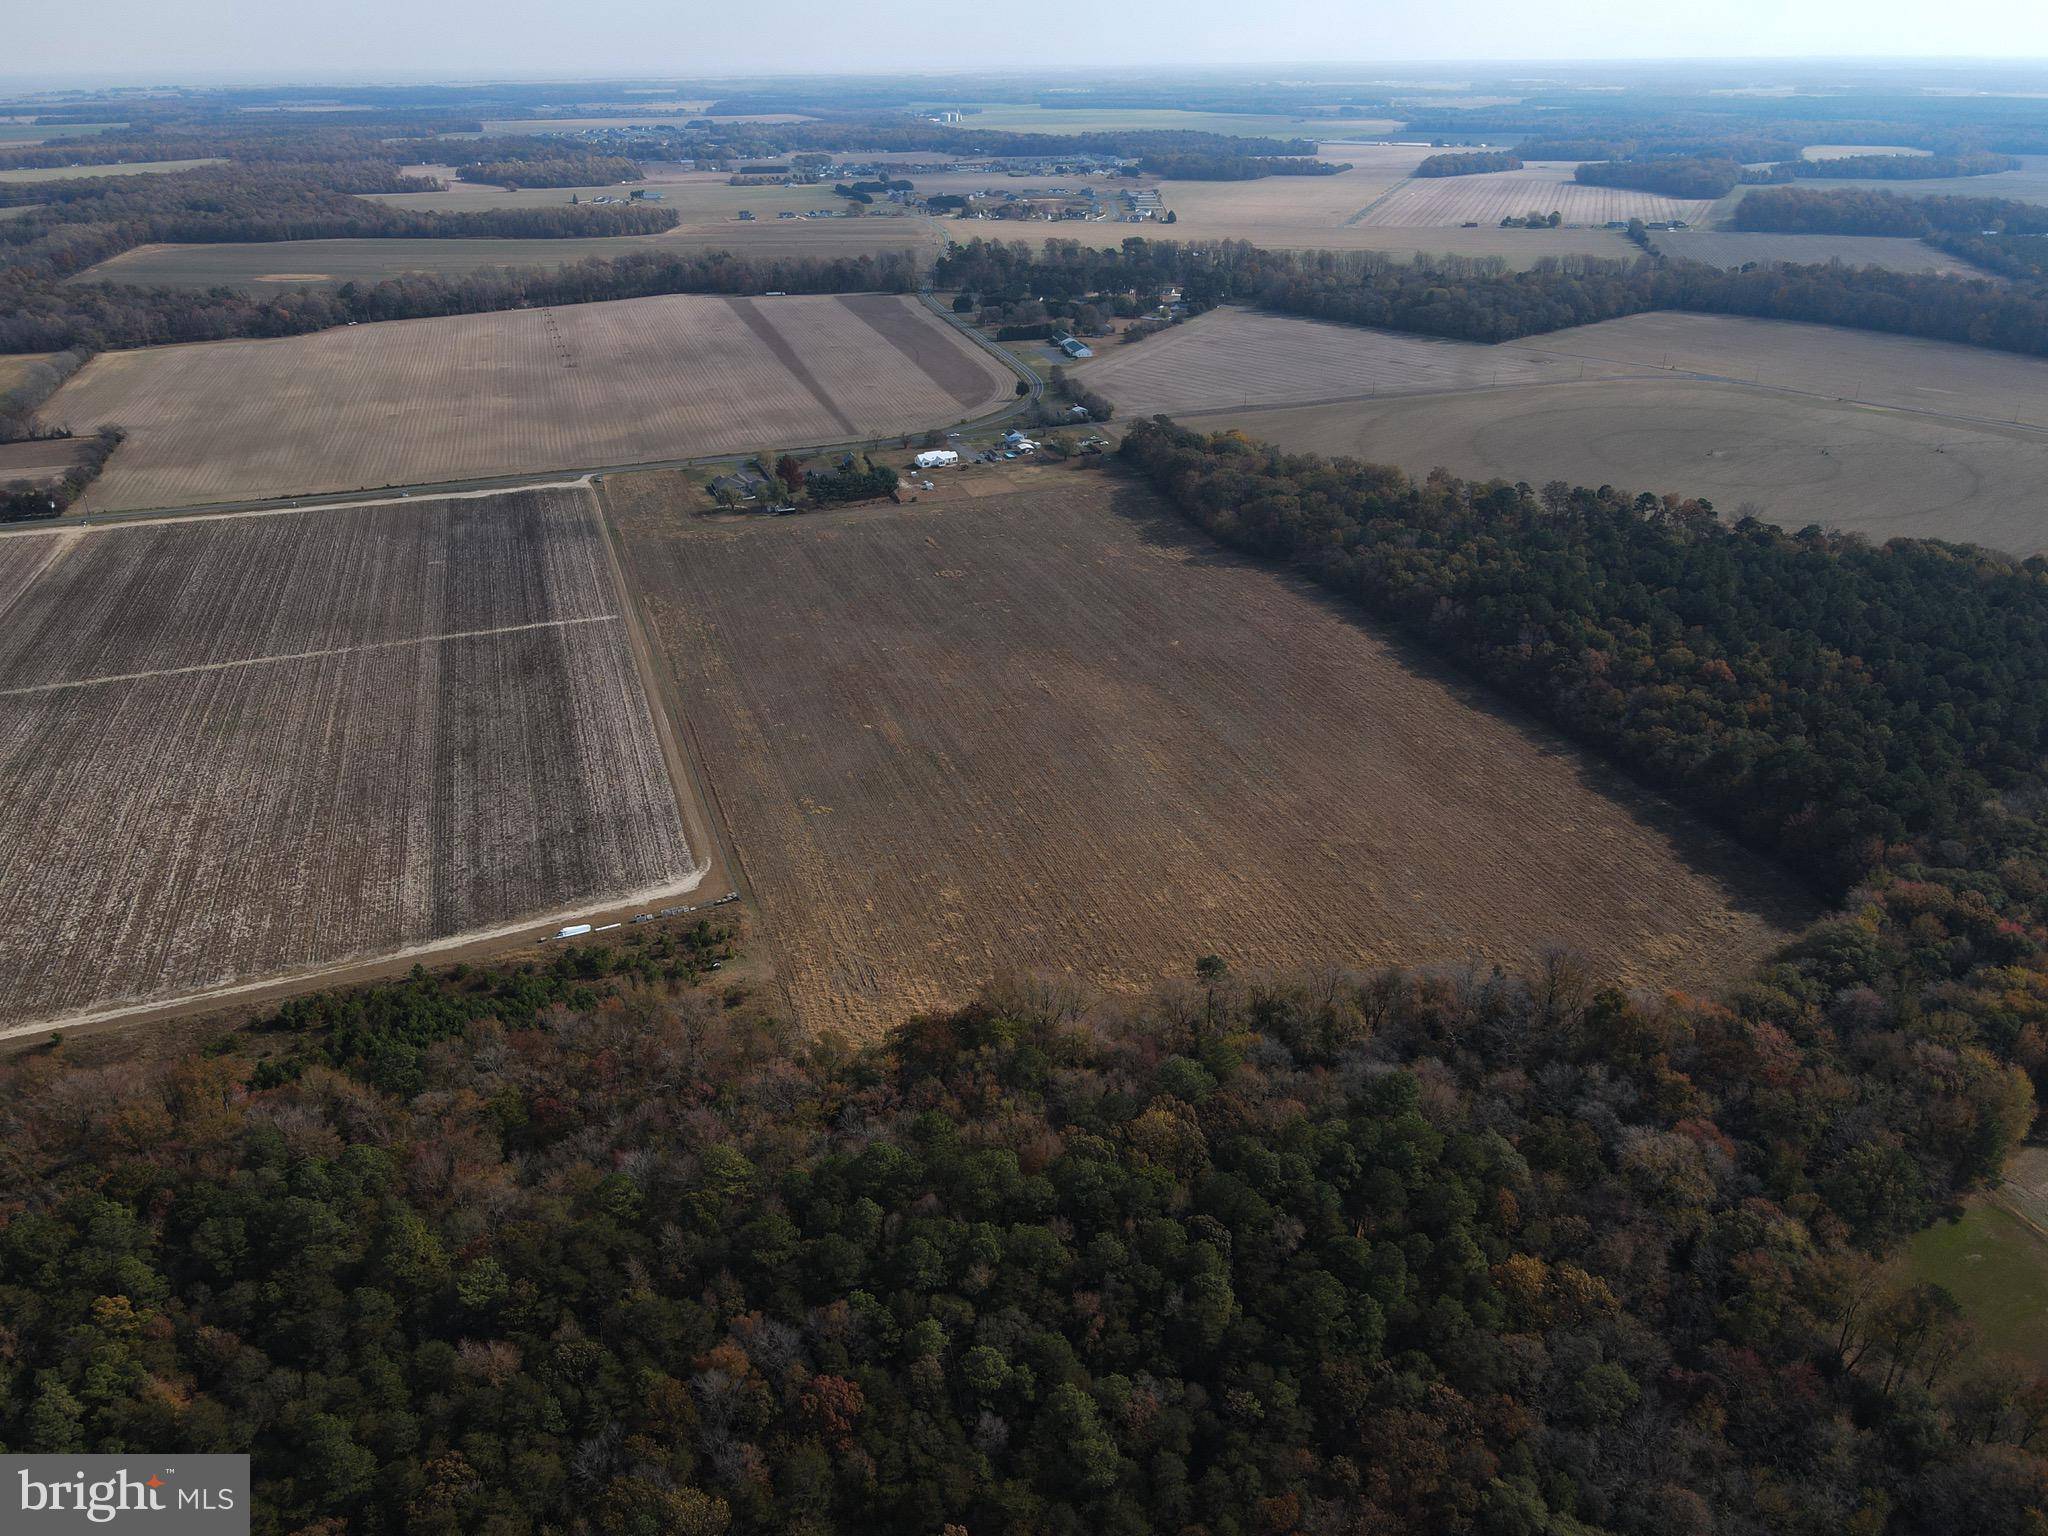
x: 1997, y: 1266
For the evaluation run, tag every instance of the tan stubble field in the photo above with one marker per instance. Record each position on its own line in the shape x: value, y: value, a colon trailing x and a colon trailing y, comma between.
x: 524, y: 391
x: 1053, y: 731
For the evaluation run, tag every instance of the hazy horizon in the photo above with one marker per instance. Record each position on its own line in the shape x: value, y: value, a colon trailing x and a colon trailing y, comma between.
x: 131, y: 42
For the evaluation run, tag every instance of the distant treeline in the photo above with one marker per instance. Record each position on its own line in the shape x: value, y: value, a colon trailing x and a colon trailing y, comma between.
x: 71, y: 225
x: 273, y: 142
x: 1470, y: 163
x: 1480, y: 300
x: 1223, y: 166
x: 1271, y: 99
x: 1867, y: 211
x: 109, y: 315
x: 1742, y: 151
x: 1716, y: 176
x: 1664, y: 120
x: 763, y: 141
x: 1904, y: 167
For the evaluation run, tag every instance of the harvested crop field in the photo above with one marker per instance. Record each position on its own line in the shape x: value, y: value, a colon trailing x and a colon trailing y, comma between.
x: 89, y: 172
x: 1241, y: 357
x: 269, y: 266
x: 248, y: 747
x: 1238, y: 357
x: 1885, y: 435
x: 1939, y: 378
x: 1056, y: 731
x: 1732, y: 249
x: 1885, y: 474
x: 431, y: 401
x: 40, y: 459
x: 1539, y: 187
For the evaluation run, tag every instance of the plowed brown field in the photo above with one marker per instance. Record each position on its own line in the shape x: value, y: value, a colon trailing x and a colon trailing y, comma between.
x: 246, y: 747
x: 1054, y: 731
x: 582, y: 386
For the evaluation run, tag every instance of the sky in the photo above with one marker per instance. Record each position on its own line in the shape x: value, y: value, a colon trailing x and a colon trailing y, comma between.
x: 205, y: 41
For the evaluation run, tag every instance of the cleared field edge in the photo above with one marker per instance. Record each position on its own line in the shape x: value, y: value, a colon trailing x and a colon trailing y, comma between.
x: 210, y: 996
x: 24, y: 560
x: 658, y: 691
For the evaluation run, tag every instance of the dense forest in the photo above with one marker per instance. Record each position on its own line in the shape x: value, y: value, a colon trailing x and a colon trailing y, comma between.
x: 1867, y: 211
x: 1904, y: 167
x: 1469, y: 162
x: 555, y: 170
x: 1716, y: 176
x: 1479, y: 299
x: 597, y: 1246
x: 269, y: 142
x: 1374, y: 1254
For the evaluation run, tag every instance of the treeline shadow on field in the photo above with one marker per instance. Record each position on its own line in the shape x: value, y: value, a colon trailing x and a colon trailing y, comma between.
x: 1749, y: 882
